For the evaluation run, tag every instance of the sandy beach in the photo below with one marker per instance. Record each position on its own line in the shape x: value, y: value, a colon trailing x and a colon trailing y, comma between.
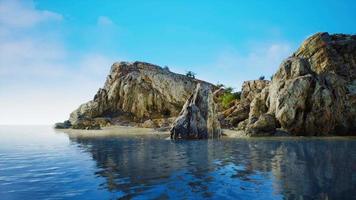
x: 134, y: 131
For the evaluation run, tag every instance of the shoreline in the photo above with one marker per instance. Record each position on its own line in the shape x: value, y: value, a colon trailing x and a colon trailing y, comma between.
x: 114, y: 131
x: 117, y: 130
x: 138, y: 131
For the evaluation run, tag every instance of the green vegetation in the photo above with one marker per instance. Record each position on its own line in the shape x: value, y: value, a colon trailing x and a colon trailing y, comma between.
x: 229, y: 96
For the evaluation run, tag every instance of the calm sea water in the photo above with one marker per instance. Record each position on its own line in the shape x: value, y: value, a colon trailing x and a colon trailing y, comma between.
x: 37, y: 162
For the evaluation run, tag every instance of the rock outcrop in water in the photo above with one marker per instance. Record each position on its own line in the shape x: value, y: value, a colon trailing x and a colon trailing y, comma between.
x: 198, y: 118
x: 136, y: 92
x: 312, y: 93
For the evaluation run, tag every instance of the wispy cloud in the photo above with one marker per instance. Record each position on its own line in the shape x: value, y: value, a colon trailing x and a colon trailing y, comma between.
x: 104, y: 21
x: 41, y: 80
x: 264, y: 58
x: 232, y: 67
x: 21, y: 14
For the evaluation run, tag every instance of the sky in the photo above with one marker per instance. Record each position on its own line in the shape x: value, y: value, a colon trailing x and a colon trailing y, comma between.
x: 55, y: 55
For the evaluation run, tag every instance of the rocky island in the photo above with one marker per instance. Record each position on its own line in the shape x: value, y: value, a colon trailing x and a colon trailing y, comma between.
x: 313, y: 93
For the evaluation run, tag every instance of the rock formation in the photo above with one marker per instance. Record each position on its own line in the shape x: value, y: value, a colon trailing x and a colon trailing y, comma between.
x: 251, y: 88
x: 312, y: 93
x: 135, y: 92
x: 198, y: 118
x: 239, y: 111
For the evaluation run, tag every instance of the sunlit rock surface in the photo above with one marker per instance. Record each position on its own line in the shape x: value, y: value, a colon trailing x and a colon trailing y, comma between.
x: 198, y: 118
x: 239, y: 111
x: 140, y: 91
x: 313, y: 91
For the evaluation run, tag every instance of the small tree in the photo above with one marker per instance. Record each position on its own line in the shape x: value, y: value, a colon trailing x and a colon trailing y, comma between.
x: 219, y: 85
x: 261, y: 78
x: 190, y: 74
x: 237, y: 95
x: 229, y: 89
x: 229, y: 97
x: 166, y: 68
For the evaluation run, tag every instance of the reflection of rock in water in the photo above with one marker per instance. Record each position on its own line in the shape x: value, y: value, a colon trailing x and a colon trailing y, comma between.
x: 130, y: 162
x: 314, y: 169
x: 320, y: 168
x: 297, y: 168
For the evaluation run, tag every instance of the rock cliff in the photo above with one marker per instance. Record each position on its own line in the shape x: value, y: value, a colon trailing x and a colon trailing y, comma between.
x: 312, y: 93
x: 136, y: 92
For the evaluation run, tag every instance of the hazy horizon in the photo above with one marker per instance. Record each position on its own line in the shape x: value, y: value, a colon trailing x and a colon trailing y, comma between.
x: 54, y: 55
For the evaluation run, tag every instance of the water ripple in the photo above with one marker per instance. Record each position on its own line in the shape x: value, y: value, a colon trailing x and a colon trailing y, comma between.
x: 60, y: 167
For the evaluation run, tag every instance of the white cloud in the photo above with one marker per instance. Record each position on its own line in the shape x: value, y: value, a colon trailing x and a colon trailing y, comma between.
x: 46, y: 98
x: 17, y: 13
x: 104, y: 21
x: 41, y: 81
x: 30, y: 56
x: 231, y: 67
x: 264, y: 57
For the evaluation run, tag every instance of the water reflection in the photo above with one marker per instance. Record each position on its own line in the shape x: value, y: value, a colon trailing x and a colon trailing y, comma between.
x: 229, y: 168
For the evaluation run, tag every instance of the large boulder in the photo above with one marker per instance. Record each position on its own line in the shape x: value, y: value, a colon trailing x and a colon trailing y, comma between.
x: 63, y: 125
x: 265, y: 125
x: 139, y: 91
x: 198, y: 118
x: 312, y: 92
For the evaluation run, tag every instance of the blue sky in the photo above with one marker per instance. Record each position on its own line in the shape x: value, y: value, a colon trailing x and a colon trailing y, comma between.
x: 54, y: 55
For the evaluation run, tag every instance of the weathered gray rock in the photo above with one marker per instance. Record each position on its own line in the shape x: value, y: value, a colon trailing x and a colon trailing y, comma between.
x: 251, y: 88
x: 92, y: 123
x: 241, y: 109
x: 239, y: 113
x: 198, y: 118
x: 265, y: 125
x: 258, y: 105
x: 140, y: 90
x: 311, y: 93
x: 63, y: 125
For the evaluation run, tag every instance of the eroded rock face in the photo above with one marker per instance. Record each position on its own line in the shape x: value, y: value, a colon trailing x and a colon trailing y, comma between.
x: 198, y: 118
x: 265, y: 125
x: 312, y: 92
x: 241, y: 109
x: 92, y: 124
x: 63, y: 125
x: 140, y: 90
x: 252, y: 88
